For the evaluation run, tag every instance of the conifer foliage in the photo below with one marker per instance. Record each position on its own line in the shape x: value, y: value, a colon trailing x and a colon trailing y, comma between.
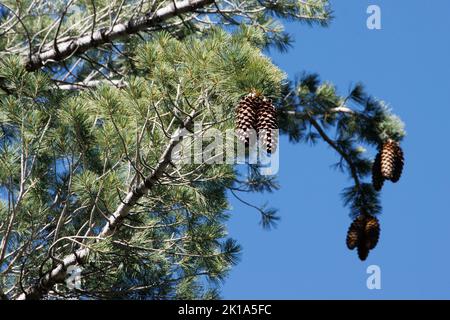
x: 100, y: 106
x: 360, y: 121
x: 101, y: 181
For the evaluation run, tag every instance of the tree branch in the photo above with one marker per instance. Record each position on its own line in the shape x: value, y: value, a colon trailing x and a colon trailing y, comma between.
x: 341, y: 109
x: 90, y: 84
x: 95, y: 39
x: 333, y: 144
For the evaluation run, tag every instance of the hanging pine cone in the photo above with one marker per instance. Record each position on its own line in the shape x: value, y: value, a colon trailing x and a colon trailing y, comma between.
x: 388, y: 164
x: 391, y: 161
x: 377, y: 177
x: 266, y: 124
x: 399, y: 162
x: 363, y: 234
x: 246, y: 117
x: 354, y: 232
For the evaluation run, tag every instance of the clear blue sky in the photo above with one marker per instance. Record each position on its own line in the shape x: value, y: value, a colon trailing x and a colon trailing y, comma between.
x: 407, y: 64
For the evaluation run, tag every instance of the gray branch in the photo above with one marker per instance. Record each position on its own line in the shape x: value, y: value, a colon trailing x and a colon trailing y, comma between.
x: 92, y: 84
x: 69, y: 47
x: 341, y: 109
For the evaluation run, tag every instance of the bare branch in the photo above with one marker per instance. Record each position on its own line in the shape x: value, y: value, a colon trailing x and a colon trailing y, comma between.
x: 91, y: 84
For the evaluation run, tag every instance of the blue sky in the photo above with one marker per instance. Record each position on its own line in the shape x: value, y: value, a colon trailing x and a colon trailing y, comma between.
x: 407, y: 64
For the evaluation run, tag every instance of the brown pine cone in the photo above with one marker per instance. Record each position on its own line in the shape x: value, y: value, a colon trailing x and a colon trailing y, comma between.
x: 363, y: 234
x: 266, y: 124
x: 246, y: 117
x: 391, y: 161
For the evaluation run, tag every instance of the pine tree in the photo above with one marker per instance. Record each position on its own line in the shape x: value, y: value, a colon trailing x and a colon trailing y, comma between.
x: 99, y: 104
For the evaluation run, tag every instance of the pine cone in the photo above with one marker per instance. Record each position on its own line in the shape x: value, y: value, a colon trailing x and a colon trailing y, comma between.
x: 372, y: 232
x: 246, y: 117
x: 377, y: 177
x: 266, y: 124
x: 391, y: 161
x: 354, y: 232
x: 363, y: 234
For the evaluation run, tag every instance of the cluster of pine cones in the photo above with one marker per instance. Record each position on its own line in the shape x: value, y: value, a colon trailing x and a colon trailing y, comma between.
x: 255, y: 114
x: 364, y: 231
x: 363, y: 234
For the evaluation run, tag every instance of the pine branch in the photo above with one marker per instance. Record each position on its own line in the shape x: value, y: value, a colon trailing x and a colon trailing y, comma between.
x: 341, y: 109
x: 69, y: 47
x: 58, y: 273
x: 90, y: 84
x: 353, y: 170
